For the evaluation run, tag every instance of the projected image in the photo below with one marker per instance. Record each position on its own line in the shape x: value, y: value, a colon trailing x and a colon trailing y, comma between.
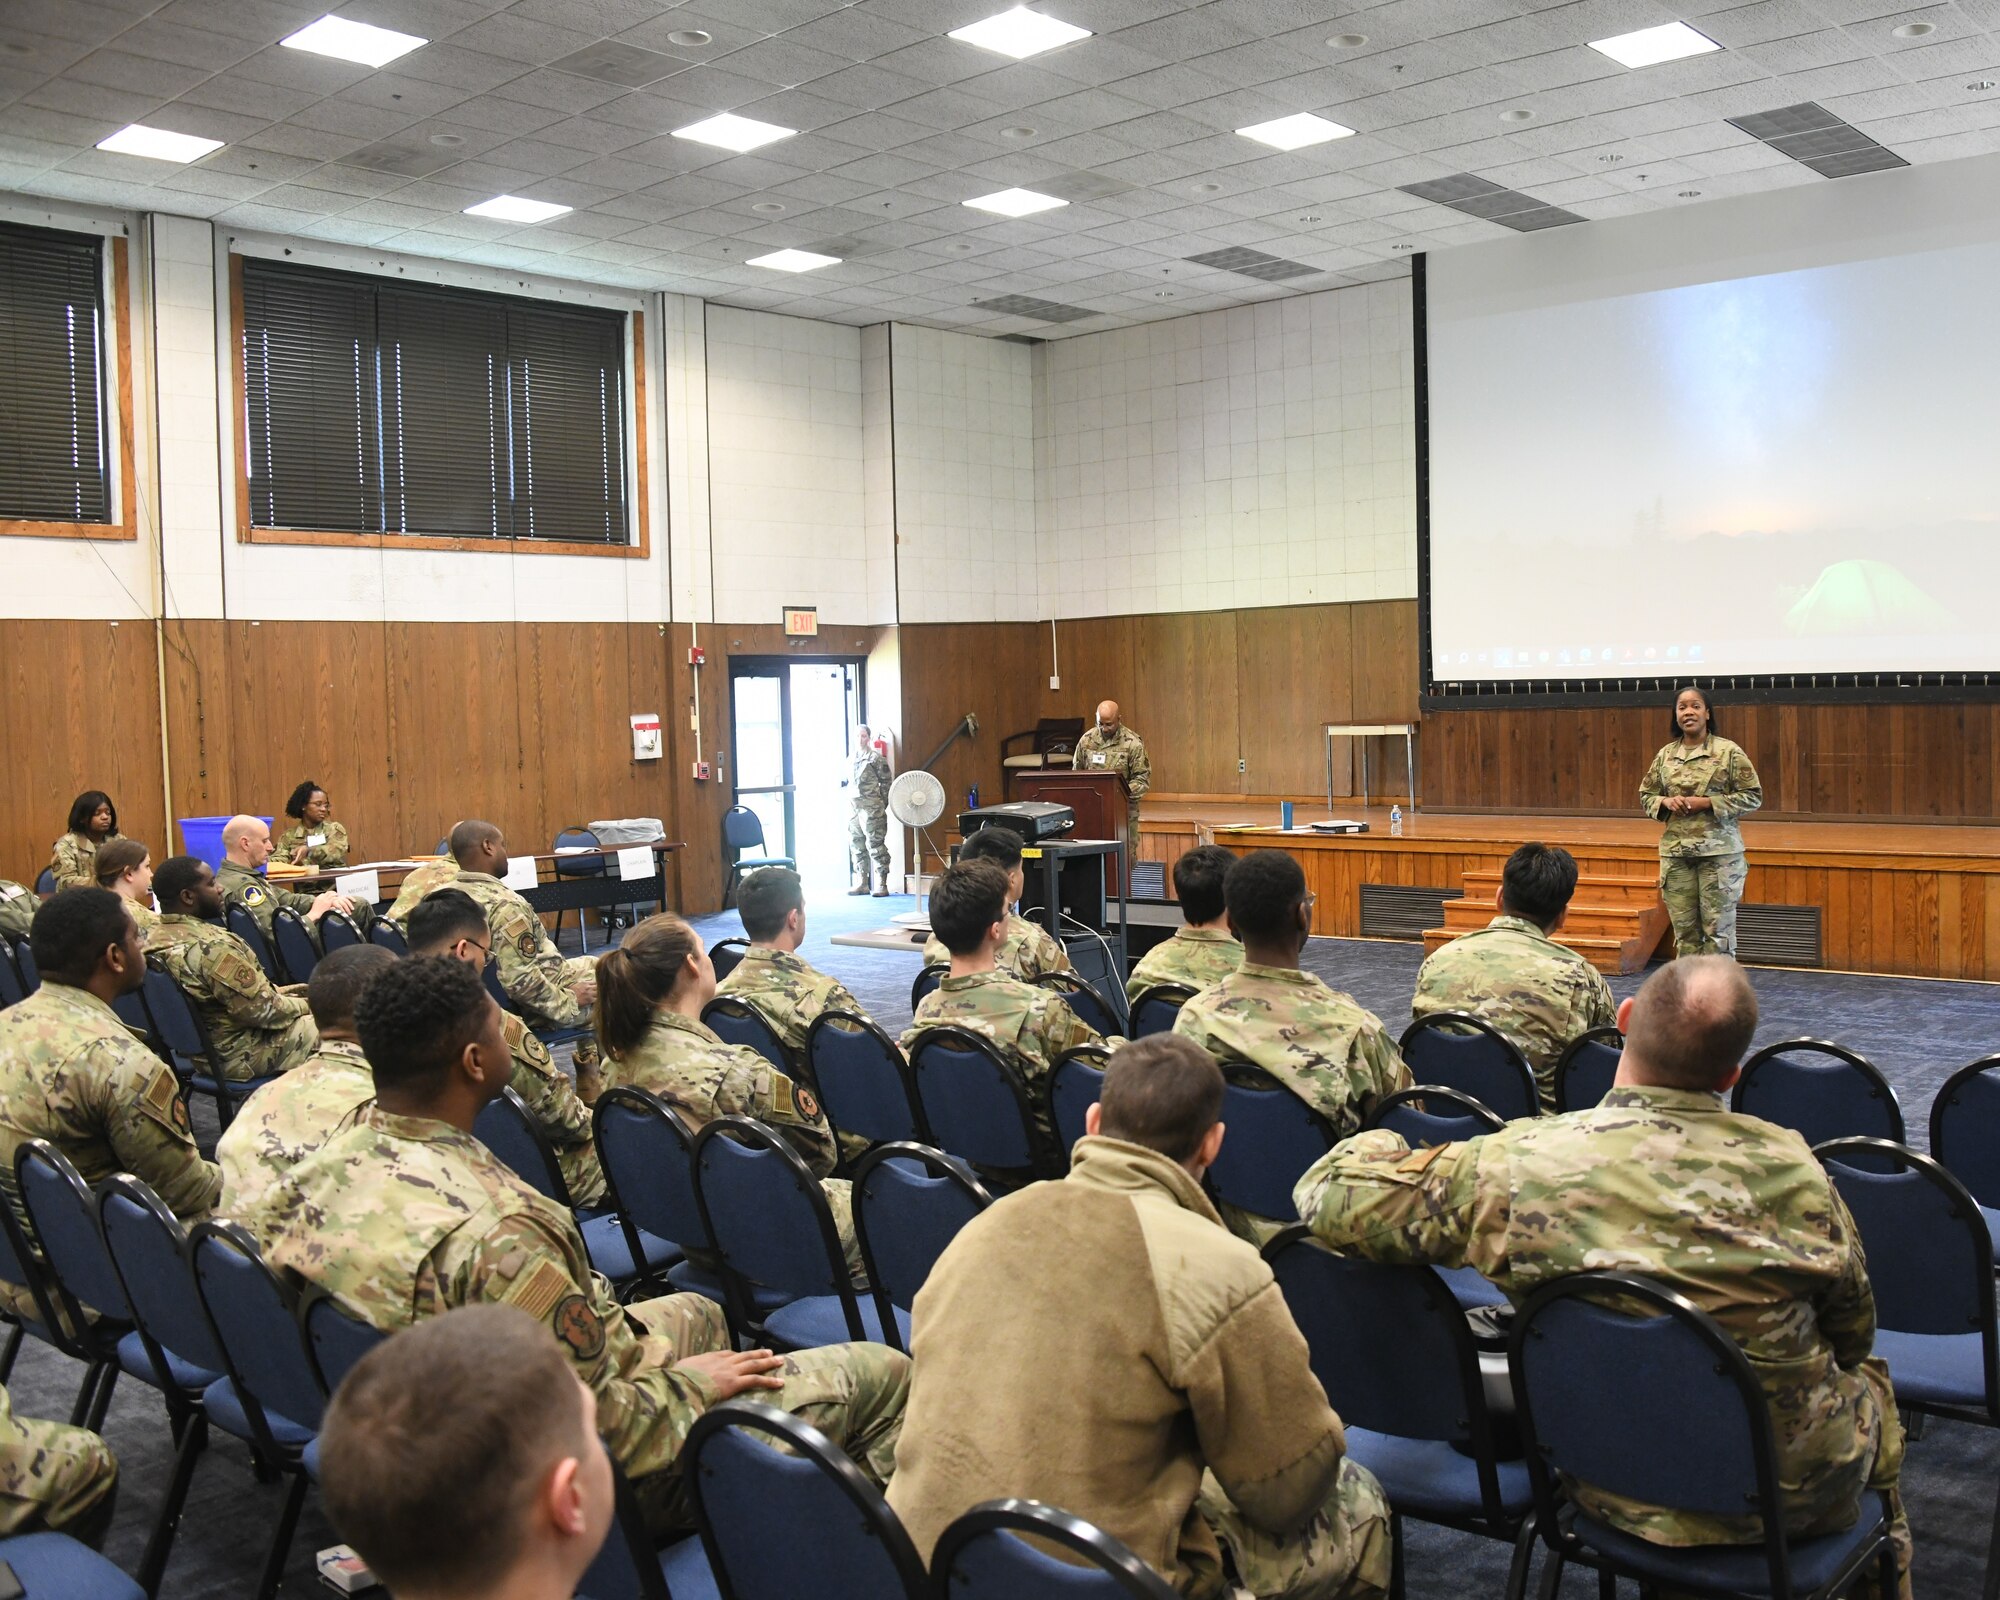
x: 1786, y: 473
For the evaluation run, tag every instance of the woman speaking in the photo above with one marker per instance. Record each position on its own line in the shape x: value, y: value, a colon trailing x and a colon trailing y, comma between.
x: 1698, y: 785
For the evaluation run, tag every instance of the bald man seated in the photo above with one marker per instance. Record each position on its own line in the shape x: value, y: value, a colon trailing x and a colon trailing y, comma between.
x: 246, y: 846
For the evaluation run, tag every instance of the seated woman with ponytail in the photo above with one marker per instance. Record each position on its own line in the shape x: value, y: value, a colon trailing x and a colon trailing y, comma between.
x: 650, y: 991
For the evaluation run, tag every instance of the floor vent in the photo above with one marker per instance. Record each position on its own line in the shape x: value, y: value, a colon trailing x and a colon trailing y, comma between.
x: 1401, y: 910
x: 1779, y: 936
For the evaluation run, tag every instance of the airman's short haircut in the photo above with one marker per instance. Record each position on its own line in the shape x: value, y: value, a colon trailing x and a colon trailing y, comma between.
x: 1263, y: 890
x: 967, y: 899
x: 1537, y: 883
x: 1691, y: 1022
x: 1163, y: 1092
x: 338, y: 980
x: 441, y: 919
x: 1001, y: 846
x: 415, y: 1019
x: 766, y: 898
x: 173, y: 877
x: 1198, y: 877
x: 73, y: 929
x: 468, y: 836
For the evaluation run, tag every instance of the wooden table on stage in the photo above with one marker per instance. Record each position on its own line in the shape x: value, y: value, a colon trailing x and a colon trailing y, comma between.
x: 1372, y: 730
x: 552, y: 893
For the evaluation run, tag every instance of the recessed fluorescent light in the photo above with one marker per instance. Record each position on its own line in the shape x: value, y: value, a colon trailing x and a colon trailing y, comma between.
x: 794, y: 261
x: 158, y: 144
x: 1016, y: 202
x: 1295, y: 132
x: 1019, y: 33
x: 1650, y: 46
x: 732, y: 132
x: 352, y: 41
x: 512, y: 208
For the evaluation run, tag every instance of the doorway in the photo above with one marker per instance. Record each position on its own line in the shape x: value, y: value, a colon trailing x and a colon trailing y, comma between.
x: 793, y: 733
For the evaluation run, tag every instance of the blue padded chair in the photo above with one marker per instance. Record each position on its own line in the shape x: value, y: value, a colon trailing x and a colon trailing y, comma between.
x: 255, y: 1318
x: 1273, y: 1137
x: 1930, y: 1265
x: 977, y: 1106
x: 62, y: 1568
x: 1965, y: 1135
x: 1819, y: 1089
x: 1391, y: 1347
x: 980, y: 1556
x: 507, y: 1128
x: 1074, y: 1087
x: 629, y: 1566
x: 1662, y: 1406
x: 24, y: 964
x: 724, y: 955
x: 862, y: 1079
x: 591, y: 866
x: 1159, y: 1008
x: 743, y: 829
x: 773, y: 1230
x: 909, y: 1203
x: 389, y: 937
x: 734, y: 1021
x: 334, y: 1339
x: 1586, y: 1067
x: 550, y: 1036
x: 927, y: 980
x: 11, y: 991
x: 130, y: 1009
x: 45, y: 882
x: 179, y: 1031
x: 841, y: 1541
x: 1091, y: 1008
x: 1429, y: 1115
x: 1459, y: 1051
x: 239, y: 922
x: 297, y: 953
x: 337, y: 930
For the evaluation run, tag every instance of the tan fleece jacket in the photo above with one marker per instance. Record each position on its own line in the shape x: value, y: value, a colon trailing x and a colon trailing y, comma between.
x: 1095, y: 1343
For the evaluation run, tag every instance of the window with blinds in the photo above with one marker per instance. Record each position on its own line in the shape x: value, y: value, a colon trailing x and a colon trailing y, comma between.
x: 374, y: 406
x: 52, y: 424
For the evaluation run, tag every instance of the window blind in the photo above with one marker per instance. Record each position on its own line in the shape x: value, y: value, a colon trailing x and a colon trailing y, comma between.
x: 52, y: 425
x: 375, y: 406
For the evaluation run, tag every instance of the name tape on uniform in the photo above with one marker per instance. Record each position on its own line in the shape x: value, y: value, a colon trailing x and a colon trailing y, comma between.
x: 364, y: 886
x: 636, y: 861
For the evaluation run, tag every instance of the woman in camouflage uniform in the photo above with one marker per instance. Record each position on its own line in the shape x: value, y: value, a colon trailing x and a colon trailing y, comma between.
x: 1698, y: 785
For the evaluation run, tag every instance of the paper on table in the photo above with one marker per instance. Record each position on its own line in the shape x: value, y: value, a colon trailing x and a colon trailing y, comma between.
x: 365, y: 886
x: 635, y: 862
x: 521, y: 873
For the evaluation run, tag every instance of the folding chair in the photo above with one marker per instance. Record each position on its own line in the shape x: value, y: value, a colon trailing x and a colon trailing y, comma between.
x: 982, y: 1556
x: 1091, y: 1008
x: 389, y: 937
x: 1074, y: 1087
x: 1965, y: 1135
x: 735, y: 1021
x: 978, y: 1107
x: 337, y: 930
x: 927, y: 980
x: 743, y: 829
x: 1159, y: 1008
x: 63, y: 1568
x: 11, y: 991
x: 577, y: 866
x: 724, y: 954
x: 183, y: 1038
x: 56, y: 1318
x: 1819, y: 1089
x: 239, y: 922
x: 297, y: 953
x: 631, y: 1566
x: 909, y: 1203
x: 862, y: 1079
x: 1273, y: 1137
x: 334, y: 1339
x: 1429, y: 1115
x: 1585, y: 1069
x: 25, y: 965
x: 1459, y: 1051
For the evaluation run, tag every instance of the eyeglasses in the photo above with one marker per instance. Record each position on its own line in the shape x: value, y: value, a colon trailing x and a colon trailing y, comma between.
x: 485, y: 950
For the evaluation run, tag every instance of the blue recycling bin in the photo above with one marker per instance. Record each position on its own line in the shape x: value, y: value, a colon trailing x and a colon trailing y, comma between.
x: 202, y: 836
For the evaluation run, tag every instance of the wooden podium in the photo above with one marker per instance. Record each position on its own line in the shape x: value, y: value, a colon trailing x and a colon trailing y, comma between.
x: 1099, y: 800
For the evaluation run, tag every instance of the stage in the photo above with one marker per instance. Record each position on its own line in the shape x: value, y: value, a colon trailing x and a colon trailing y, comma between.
x: 1900, y: 898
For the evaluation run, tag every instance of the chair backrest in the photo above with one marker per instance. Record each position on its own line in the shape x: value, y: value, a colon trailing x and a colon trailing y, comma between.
x: 981, y: 1556
x: 296, y: 951
x: 861, y: 1078
x: 1159, y: 1008
x: 974, y: 1101
x: 239, y: 922
x: 24, y: 963
x: 1074, y: 1087
x: 909, y: 1203
x: 627, y: 1565
x: 724, y: 954
x: 1430, y: 1114
x: 11, y: 992
x: 1586, y: 1067
x: 256, y: 1321
x: 176, y: 1024
x: 490, y: 976
x: 60, y: 1208
x: 334, y: 1339
x: 1626, y: 1385
x: 149, y: 1251
x: 768, y: 1216
x: 648, y: 1157
x: 1090, y: 1007
x: 1459, y: 1051
x: 507, y: 1128
x: 1965, y: 1128
x: 1819, y: 1089
x: 927, y: 980
x: 742, y: 829
x: 578, y: 866
x: 130, y: 1009
x: 23, y: 1270
x: 841, y: 1541
x: 1273, y: 1137
x: 45, y: 882
x: 1930, y: 1255
x: 337, y: 930
x: 389, y: 937
x: 736, y: 1021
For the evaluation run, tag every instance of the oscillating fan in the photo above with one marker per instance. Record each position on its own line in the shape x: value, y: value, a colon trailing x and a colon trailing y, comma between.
x: 916, y: 799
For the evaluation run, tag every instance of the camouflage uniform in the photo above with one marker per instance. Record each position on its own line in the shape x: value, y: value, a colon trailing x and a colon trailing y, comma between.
x: 331, y: 851
x: 1196, y: 957
x: 420, y: 881
x: 868, y: 821
x: 72, y: 1074
x: 1538, y: 993
x: 53, y: 1476
x: 787, y: 993
x: 1027, y: 950
x: 1032, y: 1026
x: 245, y: 887
x: 1701, y: 854
x: 683, y: 1062
x: 1729, y: 1211
x: 144, y: 915
x: 255, y: 1029
x: 74, y: 860
x: 287, y: 1120
x: 403, y: 1218
x: 18, y: 905
x: 559, y: 1111
x: 1125, y: 754
x: 533, y: 972
x: 1316, y: 1041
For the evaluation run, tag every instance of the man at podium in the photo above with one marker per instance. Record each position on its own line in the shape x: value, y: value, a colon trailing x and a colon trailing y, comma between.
x: 1113, y: 747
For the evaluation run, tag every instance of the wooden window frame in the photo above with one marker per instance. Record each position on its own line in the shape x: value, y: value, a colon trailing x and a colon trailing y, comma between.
x: 638, y: 549
x: 118, y: 314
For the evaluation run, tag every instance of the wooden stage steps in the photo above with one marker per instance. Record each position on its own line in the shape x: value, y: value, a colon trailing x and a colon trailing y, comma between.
x: 1613, y: 923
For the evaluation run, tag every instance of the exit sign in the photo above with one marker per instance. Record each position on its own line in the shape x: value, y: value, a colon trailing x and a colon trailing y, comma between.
x: 801, y: 622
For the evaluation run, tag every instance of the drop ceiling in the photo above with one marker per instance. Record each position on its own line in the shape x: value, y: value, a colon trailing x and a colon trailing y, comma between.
x: 574, y: 101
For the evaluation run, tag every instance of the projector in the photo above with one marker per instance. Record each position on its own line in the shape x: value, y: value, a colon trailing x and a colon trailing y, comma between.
x: 1031, y: 819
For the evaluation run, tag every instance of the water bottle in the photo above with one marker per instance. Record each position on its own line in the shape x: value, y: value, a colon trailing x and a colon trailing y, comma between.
x: 1395, y: 822
x: 972, y: 798
x: 1285, y: 815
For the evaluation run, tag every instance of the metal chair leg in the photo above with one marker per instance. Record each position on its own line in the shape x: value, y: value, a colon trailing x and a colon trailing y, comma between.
x: 101, y: 1402
x: 1552, y: 1575
x: 1992, y: 1588
x: 1524, y: 1555
x: 86, y: 1395
x: 160, y: 1542
x: 1396, y: 1581
x: 281, y: 1542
